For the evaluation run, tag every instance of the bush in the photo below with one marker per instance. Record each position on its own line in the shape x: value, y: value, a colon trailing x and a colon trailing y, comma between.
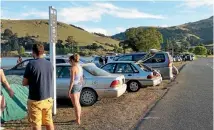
x: 200, y: 50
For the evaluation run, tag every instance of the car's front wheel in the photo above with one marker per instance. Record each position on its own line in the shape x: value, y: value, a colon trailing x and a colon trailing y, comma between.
x: 88, y: 97
x: 133, y: 86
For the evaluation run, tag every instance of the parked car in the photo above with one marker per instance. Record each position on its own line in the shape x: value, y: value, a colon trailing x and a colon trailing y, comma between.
x: 136, y: 74
x: 161, y: 61
x: 131, y: 57
x: 110, y: 58
x: 98, y: 61
x: 177, y: 59
x: 97, y: 83
x: 188, y: 57
x: 19, y: 69
x: 193, y: 57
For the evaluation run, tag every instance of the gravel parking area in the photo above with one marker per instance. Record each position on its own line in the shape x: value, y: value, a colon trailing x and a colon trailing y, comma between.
x: 109, y: 114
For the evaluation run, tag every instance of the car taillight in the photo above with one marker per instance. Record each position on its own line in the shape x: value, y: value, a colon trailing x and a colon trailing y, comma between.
x: 115, y: 84
x: 149, y: 76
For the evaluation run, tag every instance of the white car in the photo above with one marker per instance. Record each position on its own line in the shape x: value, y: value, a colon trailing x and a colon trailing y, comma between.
x: 136, y: 74
x: 97, y: 83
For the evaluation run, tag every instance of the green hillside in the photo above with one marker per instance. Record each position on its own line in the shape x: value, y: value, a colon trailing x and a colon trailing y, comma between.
x: 195, y: 32
x: 39, y: 29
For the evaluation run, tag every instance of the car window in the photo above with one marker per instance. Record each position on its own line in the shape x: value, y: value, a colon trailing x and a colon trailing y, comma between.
x: 134, y: 69
x: 58, y: 61
x: 95, y: 71
x: 125, y: 58
x: 22, y: 65
x: 96, y: 58
x: 138, y: 57
x: 123, y: 68
x: 144, y: 67
x: 58, y: 70
x: 65, y: 72
x: 158, y: 58
x: 109, y: 67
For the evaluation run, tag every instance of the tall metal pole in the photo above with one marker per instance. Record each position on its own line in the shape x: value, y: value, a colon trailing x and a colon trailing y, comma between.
x: 52, y: 43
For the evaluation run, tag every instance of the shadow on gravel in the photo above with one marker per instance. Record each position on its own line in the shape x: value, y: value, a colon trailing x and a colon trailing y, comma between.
x: 64, y: 103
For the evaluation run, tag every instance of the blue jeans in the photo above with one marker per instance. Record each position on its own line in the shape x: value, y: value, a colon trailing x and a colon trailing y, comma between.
x: 76, y: 89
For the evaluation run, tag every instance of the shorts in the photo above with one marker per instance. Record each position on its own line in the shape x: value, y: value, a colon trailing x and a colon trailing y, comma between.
x: 40, y: 112
x: 76, y: 89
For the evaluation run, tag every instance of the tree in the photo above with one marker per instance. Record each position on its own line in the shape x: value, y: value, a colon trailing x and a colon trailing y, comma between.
x: 21, y: 50
x: 191, y: 50
x: 200, y: 50
x: 76, y: 47
x: 124, y: 45
x: 14, y: 43
x: 166, y: 45
x: 184, y: 45
x: 70, y: 43
x: 8, y: 33
x: 94, y: 46
x: 140, y: 39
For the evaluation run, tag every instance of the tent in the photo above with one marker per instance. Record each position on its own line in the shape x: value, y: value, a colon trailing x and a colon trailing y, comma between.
x: 16, y: 107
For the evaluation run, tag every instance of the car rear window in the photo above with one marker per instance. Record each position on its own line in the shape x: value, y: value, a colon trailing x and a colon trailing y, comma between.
x: 95, y: 71
x: 144, y: 67
x: 158, y: 58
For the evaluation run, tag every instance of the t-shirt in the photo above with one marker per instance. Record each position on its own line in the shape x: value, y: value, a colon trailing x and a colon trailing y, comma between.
x: 39, y: 73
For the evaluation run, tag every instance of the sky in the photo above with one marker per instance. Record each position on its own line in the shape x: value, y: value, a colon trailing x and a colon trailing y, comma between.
x: 111, y: 17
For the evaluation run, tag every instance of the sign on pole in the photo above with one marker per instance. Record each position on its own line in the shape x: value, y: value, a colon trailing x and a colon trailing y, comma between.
x: 52, y: 43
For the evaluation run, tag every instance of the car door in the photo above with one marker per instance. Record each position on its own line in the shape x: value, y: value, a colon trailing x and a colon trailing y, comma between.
x: 127, y: 70
x: 63, y: 81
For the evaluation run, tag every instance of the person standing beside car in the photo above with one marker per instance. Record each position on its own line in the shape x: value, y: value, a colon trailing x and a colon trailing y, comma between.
x: 19, y: 60
x: 76, y: 85
x: 39, y: 75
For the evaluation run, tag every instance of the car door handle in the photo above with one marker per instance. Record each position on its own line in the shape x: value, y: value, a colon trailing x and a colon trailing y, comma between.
x: 129, y: 75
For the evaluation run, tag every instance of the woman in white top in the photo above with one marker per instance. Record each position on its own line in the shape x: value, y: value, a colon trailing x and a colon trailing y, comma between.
x: 76, y: 85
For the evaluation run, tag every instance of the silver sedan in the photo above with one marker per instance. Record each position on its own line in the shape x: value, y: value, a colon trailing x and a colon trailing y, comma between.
x: 97, y: 83
x: 136, y: 74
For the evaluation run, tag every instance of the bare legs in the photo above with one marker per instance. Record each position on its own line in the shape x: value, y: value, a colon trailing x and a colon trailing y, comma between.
x: 75, y: 98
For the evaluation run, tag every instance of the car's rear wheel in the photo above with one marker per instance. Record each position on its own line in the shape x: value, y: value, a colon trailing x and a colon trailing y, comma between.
x: 133, y: 86
x: 88, y: 97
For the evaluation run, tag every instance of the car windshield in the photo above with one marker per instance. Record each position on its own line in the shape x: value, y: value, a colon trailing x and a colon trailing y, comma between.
x: 95, y: 71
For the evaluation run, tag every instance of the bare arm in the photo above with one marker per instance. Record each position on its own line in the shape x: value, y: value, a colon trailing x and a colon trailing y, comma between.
x: 72, y: 73
x: 6, y: 84
x: 4, y: 80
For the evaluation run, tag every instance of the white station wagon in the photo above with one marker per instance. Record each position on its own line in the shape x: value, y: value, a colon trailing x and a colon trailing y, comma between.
x: 136, y: 74
x: 97, y: 83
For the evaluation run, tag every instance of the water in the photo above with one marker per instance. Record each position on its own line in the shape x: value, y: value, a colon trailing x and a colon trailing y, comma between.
x: 8, y: 62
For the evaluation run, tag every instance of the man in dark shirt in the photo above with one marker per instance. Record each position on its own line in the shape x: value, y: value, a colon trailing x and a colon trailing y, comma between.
x: 39, y: 75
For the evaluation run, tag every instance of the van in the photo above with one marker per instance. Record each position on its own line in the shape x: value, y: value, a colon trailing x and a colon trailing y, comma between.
x: 161, y: 61
x: 131, y: 57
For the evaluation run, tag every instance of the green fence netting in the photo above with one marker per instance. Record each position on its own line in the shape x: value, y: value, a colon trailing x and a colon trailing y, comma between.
x: 16, y: 107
